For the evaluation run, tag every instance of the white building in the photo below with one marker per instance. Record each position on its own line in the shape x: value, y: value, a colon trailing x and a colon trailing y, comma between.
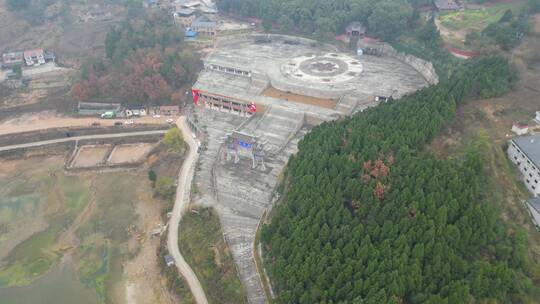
x: 537, y: 118
x: 534, y: 208
x: 184, y: 17
x: 520, y: 128
x: 525, y: 153
x: 34, y: 57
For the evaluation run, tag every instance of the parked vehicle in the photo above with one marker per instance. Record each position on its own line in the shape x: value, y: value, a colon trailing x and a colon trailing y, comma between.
x: 108, y: 115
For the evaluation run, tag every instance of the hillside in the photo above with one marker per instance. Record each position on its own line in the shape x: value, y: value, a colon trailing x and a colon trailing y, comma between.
x: 369, y: 215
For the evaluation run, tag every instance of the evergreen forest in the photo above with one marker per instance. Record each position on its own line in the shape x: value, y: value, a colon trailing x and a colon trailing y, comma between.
x: 368, y: 215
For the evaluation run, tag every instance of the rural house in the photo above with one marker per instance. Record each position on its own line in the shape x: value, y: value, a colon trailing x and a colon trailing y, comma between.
x: 12, y: 59
x: 136, y: 110
x: 34, y: 57
x: 524, y: 152
x: 448, y: 5
x: 169, y: 110
x: 520, y: 128
x: 203, y: 6
x: 204, y: 26
x: 355, y: 29
x: 184, y: 17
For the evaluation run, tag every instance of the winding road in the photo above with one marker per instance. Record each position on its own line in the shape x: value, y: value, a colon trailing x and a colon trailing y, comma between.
x: 185, y: 176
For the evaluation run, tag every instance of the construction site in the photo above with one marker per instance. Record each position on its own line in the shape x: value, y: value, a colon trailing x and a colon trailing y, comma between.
x: 256, y: 98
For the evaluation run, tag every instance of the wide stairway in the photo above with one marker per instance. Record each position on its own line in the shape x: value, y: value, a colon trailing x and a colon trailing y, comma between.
x: 275, y: 128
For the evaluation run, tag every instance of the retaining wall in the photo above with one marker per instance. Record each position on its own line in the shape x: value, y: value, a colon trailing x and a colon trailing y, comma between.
x: 304, y: 89
x: 425, y: 68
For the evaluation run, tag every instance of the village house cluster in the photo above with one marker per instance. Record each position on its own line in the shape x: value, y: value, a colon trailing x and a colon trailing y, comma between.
x: 13, y: 60
x: 196, y: 17
x: 35, y: 57
x: 113, y: 110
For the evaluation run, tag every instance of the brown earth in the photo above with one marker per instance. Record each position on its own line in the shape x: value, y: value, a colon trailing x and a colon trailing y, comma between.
x: 129, y: 153
x: 51, y: 119
x: 143, y: 283
x: 62, y: 33
x: 319, y: 102
x: 90, y: 156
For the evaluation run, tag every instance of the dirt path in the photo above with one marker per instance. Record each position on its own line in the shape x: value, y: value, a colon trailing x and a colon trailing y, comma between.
x: 143, y: 283
x: 185, y: 177
x: 50, y: 120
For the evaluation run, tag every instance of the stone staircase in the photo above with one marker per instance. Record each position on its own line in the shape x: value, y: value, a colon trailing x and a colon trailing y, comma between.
x: 259, y: 83
x: 276, y: 127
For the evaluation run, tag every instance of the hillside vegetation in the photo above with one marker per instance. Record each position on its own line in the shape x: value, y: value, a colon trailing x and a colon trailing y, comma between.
x: 147, y: 63
x: 385, y: 19
x: 369, y: 216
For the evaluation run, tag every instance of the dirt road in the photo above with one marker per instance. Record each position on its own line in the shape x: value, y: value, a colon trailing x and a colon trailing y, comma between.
x: 185, y: 176
x: 50, y: 120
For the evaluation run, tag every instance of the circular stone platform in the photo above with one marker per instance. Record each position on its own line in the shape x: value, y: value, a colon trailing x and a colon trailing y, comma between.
x: 327, y: 68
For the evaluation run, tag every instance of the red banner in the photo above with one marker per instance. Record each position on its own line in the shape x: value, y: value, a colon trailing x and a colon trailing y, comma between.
x: 195, y: 94
x: 252, y: 108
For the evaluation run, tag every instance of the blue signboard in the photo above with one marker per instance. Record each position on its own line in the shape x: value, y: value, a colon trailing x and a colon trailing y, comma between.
x: 244, y: 144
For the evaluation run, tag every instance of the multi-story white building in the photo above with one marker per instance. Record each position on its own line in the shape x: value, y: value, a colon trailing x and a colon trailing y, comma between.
x: 525, y: 153
x: 534, y: 208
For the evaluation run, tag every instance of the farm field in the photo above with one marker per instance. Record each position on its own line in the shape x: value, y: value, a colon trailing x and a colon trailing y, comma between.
x: 89, y: 231
x: 454, y: 26
x: 89, y: 156
x: 129, y: 153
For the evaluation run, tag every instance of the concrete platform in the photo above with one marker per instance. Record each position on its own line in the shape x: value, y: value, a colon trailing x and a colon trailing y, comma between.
x: 241, y: 69
x: 306, y: 68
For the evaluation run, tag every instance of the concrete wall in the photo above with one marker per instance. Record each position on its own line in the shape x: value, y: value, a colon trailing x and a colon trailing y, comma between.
x: 306, y: 89
x: 534, y: 214
x: 530, y: 174
x: 425, y: 68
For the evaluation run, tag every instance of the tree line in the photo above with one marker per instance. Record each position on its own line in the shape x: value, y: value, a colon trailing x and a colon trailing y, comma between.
x: 368, y: 215
x: 385, y: 19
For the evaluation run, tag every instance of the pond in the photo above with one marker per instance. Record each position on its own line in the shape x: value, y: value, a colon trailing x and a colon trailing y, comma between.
x: 60, y: 286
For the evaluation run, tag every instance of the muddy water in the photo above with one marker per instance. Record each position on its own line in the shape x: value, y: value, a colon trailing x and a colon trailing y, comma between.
x: 59, y: 286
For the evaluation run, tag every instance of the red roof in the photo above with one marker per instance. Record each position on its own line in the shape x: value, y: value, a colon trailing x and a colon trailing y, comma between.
x: 32, y: 53
x: 367, y: 39
x: 343, y: 38
x: 520, y: 125
x: 467, y: 54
